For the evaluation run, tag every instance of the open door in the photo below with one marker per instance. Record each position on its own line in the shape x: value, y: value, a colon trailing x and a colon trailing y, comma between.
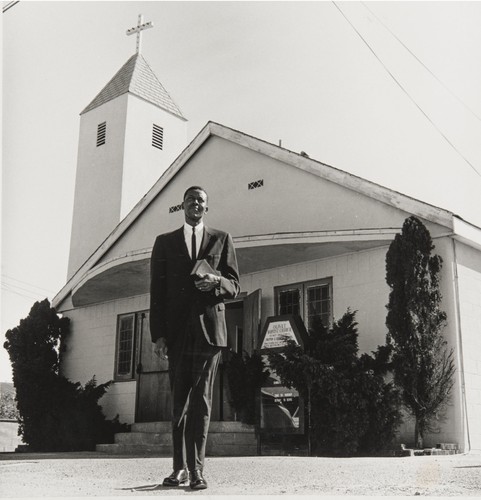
x: 153, y: 388
x: 252, y: 321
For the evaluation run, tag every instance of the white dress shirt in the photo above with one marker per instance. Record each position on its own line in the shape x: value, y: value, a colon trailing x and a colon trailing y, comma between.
x: 199, y: 233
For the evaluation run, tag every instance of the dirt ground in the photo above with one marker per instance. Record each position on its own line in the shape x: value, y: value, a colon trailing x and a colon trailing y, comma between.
x: 94, y: 474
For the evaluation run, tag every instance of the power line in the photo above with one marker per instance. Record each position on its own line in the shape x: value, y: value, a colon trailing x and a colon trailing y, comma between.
x: 422, y: 64
x: 29, y: 297
x: 17, y: 287
x: 406, y: 92
x: 28, y: 284
x: 9, y: 5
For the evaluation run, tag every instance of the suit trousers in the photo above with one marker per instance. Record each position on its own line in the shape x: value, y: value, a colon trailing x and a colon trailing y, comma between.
x: 193, y: 366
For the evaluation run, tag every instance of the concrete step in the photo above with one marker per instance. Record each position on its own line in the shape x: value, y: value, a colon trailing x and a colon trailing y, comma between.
x: 232, y: 438
x: 143, y: 438
x: 218, y: 438
x: 225, y: 439
x: 163, y: 427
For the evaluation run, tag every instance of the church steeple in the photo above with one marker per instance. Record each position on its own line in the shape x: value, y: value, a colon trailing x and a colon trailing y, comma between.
x: 137, y: 78
x: 129, y: 135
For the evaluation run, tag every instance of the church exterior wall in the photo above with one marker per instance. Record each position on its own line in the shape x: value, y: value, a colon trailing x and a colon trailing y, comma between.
x: 91, y: 352
x: 453, y: 422
x: 469, y: 279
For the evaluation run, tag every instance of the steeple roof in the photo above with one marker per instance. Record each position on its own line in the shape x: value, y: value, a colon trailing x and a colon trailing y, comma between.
x: 137, y: 78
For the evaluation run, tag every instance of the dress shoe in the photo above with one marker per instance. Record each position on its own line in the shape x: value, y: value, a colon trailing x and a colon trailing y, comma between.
x: 197, y: 481
x: 177, y: 478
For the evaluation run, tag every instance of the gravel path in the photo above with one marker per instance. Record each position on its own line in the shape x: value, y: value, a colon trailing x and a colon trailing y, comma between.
x: 91, y: 474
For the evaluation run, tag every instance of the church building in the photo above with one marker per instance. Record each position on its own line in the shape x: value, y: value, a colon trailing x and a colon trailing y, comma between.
x: 310, y: 239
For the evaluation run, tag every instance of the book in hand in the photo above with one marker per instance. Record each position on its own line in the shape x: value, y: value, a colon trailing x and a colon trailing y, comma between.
x: 201, y: 268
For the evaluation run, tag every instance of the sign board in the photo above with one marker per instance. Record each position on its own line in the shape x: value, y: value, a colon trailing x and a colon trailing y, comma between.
x: 277, y: 334
x: 281, y: 408
x: 278, y: 330
x: 281, y: 411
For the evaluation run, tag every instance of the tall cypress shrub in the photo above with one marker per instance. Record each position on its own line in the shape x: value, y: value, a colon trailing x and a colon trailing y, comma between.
x: 423, y: 366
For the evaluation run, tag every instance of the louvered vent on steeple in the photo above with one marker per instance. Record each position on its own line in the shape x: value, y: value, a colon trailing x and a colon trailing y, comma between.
x: 101, y: 133
x: 157, y: 137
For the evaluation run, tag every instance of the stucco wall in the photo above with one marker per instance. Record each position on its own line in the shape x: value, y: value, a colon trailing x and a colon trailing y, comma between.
x: 469, y: 280
x: 91, y: 351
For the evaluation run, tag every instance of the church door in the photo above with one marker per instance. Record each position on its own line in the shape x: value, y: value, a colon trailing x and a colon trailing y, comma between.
x: 153, y: 389
x: 251, y: 321
x: 243, y: 317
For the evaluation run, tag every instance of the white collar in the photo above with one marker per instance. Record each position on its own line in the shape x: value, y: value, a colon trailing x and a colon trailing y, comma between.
x: 198, y: 229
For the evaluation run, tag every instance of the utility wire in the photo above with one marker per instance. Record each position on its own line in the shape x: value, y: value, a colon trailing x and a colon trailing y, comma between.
x: 9, y: 5
x: 422, y: 64
x: 406, y: 92
x: 25, y: 283
x: 29, y: 297
x: 18, y: 287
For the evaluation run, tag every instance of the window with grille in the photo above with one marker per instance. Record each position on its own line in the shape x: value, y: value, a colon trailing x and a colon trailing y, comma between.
x: 318, y: 304
x: 157, y: 137
x: 290, y: 301
x: 101, y: 133
x: 130, y: 330
x: 125, y: 346
x: 310, y: 300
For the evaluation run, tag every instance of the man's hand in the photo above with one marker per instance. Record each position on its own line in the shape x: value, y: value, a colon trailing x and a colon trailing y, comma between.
x: 161, y: 348
x: 207, y: 282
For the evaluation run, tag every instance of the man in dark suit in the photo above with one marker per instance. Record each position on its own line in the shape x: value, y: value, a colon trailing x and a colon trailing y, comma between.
x: 187, y: 323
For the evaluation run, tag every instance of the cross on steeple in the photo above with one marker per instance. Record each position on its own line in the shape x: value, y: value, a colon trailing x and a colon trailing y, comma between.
x: 138, y: 29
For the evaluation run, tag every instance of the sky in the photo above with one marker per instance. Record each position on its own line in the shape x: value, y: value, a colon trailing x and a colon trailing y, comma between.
x: 388, y: 91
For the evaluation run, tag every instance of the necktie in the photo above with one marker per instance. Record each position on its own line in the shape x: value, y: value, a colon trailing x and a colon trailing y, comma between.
x: 193, y: 246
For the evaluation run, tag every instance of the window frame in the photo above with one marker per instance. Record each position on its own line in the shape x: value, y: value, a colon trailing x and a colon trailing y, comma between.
x: 132, y: 374
x: 303, y: 287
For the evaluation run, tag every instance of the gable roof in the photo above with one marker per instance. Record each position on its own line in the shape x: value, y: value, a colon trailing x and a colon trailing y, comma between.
x: 357, y: 184
x: 137, y: 78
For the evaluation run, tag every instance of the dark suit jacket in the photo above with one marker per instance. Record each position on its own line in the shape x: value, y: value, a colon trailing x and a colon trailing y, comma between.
x: 172, y: 291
